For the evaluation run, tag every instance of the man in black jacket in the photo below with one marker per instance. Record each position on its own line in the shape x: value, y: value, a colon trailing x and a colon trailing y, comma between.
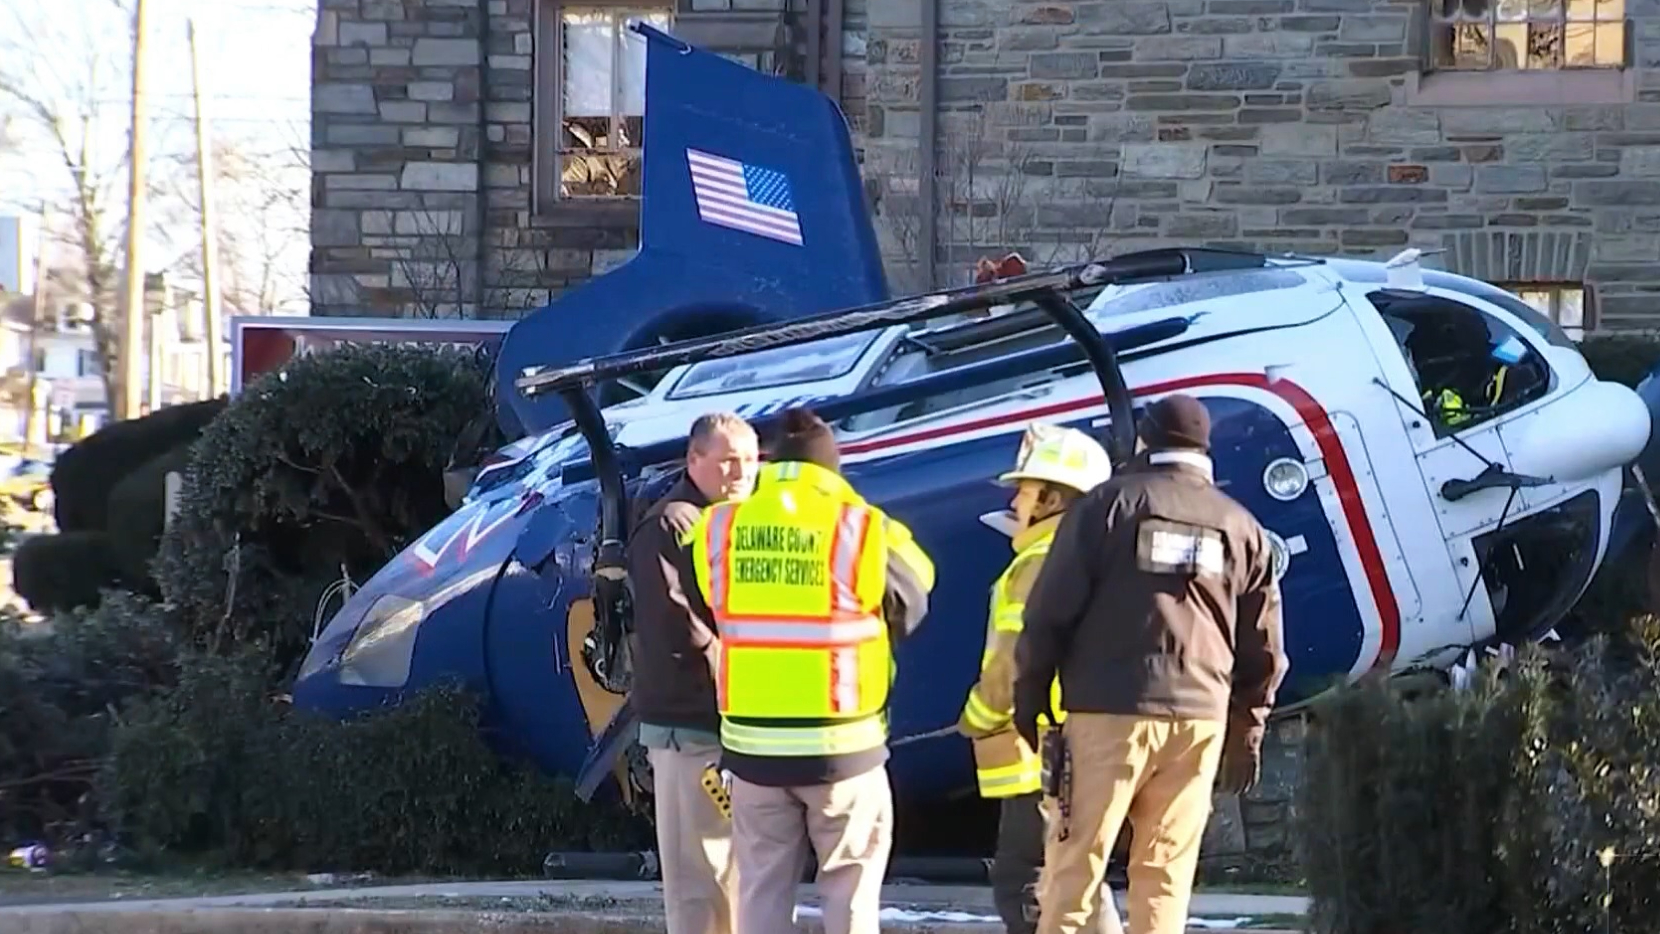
x: 675, y: 648
x: 1159, y: 606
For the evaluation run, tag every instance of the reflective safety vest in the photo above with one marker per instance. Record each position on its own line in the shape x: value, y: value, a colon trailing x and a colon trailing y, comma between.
x: 1004, y: 765
x: 794, y: 577
x: 1448, y: 404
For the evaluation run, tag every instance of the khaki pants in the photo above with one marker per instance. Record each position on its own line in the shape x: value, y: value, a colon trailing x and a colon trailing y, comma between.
x: 849, y: 825
x: 694, y: 842
x: 1017, y: 868
x: 1158, y: 773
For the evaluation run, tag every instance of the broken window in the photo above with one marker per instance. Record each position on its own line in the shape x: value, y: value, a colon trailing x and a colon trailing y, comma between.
x: 1527, y: 35
x: 603, y: 98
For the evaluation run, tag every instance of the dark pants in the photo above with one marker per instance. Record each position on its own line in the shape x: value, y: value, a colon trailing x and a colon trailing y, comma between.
x: 1017, y: 864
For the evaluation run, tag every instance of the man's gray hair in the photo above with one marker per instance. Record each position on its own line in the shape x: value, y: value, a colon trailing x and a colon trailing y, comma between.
x: 709, y: 424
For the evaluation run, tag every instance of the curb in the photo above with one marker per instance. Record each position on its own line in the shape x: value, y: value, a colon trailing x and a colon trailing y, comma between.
x: 373, y: 921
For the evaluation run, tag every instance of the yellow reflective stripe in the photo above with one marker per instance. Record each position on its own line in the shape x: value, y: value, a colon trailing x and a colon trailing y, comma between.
x: 1011, y: 617
x: 831, y: 740
x: 1010, y: 780
x: 844, y: 632
x: 716, y: 530
x: 981, y: 716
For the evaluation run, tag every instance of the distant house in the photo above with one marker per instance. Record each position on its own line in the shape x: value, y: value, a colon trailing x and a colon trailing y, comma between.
x: 1521, y: 139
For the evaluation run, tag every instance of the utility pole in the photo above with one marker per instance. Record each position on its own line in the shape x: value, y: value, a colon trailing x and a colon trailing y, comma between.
x: 210, y: 232
x: 31, y: 414
x: 132, y: 343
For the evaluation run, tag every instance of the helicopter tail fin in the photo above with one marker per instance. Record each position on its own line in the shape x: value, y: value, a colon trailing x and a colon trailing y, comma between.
x: 752, y: 212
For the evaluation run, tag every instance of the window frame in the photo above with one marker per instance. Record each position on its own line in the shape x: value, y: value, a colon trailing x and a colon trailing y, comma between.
x: 1587, y: 304
x: 1490, y: 22
x: 548, y: 70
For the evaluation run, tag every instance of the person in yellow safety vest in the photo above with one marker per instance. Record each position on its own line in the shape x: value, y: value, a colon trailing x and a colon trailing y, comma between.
x: 810, y: 587
x: 1054, y: 467
x: 1448, y: 405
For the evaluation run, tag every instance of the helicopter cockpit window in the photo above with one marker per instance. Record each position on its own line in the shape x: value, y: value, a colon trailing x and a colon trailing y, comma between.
x: 1470, y: 367
x: 783, y: 366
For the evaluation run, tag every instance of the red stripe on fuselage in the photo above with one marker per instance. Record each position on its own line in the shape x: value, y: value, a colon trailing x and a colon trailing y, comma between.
x: 1314, y: 417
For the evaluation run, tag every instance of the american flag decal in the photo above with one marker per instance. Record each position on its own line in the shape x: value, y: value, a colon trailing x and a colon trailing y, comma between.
x: 743, y: 197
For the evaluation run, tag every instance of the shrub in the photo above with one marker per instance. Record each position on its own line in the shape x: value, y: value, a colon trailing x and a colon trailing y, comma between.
x: 84, y: 475
x: 59, y: 683
x: 218, y: 765
x: 332, y: 464
x: 56, y: 573
x: 137, y: 514
x: 1492, y: 810
x: 1622, y: 357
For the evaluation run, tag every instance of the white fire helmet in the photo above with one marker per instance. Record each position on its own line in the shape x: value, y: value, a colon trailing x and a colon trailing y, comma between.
x: 1064, y: 456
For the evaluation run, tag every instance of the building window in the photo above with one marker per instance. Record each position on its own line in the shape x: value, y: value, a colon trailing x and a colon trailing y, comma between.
x: 1527, y: 35
x: 1563, y: 303
x: 86, y: 363
x: 589, y: 125
x: 39, y: 359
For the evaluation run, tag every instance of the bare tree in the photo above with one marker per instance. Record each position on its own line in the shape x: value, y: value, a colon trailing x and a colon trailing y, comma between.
x: 63, y: 91
x: 434, y: 255
x: 993, y: 197
x: 263, y: 193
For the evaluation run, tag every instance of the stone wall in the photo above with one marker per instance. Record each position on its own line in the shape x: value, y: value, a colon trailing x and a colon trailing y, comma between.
x: 1274, y: 124
x: 422, y: 152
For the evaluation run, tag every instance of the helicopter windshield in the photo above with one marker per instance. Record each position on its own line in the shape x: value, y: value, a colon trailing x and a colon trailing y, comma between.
x: 1191, y: 289
x: 781, y: 366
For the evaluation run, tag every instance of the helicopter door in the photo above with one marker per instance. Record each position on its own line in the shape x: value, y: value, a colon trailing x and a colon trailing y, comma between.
x: 1473, y: 373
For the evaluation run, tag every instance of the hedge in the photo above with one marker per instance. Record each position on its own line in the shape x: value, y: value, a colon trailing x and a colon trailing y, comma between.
x: 85, y: 474
x: 221, y: 765
x: 1525, y: 805
x: 58, y: 573
x: 324, y: 469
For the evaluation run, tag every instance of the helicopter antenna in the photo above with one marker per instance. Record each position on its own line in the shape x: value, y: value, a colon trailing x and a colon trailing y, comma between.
x: 1402, y: 271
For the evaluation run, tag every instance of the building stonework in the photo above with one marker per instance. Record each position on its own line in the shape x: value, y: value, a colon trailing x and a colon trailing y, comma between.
x: 1062, y: 129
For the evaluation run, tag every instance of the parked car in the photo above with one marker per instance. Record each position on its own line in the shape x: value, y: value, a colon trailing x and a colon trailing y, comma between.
x: 28, y: 483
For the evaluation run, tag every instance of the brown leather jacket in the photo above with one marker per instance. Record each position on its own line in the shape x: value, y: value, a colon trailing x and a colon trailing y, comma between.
x: 1158, y: 599
x: 674, y: 643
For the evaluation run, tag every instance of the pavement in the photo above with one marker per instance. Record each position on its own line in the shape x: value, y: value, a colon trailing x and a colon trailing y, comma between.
x: 545, y: 907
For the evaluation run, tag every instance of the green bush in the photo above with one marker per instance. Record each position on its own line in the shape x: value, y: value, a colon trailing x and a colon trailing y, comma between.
x: 58, y: 573
x: 1492, y: 810
x: 220, y: 766
x: 84, y: 475
x: 60, y: 682
x: 329, y: 466
x: 1624, y: 357
x: 137, y: 514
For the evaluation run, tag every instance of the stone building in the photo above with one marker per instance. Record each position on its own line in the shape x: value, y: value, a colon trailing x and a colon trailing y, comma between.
x: 1522, y: 138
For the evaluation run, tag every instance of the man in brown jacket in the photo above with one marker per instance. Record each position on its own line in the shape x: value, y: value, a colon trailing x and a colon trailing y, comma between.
x: 1160, y: 608
x: 675, y: 649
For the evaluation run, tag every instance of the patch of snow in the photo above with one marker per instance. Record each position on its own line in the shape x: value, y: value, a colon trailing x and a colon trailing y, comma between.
x: 908, y: 916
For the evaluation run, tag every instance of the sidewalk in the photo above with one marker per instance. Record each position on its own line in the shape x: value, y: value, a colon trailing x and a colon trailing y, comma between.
x: 545, y: 907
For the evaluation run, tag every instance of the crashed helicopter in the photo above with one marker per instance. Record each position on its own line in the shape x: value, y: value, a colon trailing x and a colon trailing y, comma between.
x: 1404, y: 536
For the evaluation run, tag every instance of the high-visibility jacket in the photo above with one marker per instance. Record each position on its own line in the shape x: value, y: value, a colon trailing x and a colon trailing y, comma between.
x: 1004, y: 765
x: 794, y: 577
x: 1448, y: 404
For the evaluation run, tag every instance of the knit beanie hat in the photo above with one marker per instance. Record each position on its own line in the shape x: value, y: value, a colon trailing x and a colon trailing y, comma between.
x: 1175, y: 422
x: 803, y: 436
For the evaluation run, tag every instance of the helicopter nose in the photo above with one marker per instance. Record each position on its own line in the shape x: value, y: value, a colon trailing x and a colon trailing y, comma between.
x: 1596, y: 427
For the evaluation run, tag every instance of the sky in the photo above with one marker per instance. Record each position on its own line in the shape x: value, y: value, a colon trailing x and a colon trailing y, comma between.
x: 257, y: 59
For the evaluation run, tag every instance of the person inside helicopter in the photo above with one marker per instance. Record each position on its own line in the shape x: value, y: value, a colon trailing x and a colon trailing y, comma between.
x: 1463, y: 373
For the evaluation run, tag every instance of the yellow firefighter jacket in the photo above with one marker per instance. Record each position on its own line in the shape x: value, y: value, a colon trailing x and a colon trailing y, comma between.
x: 1004, y: 765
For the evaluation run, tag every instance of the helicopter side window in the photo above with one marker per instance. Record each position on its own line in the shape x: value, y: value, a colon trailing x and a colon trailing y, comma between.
x: 1470, y: 367
x: 946, y: 349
